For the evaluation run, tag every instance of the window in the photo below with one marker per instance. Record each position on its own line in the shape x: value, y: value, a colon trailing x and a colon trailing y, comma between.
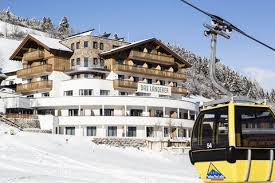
x: 47, y: 94
x: 115, y: 46
x: 68, y: 93
x: 175, y: 84
x: 107, y: 112
x: 105, y: 92
x: 85, y: 92
x: 121, y: 77
x: 70, y: 130
x: 149, y: 81
x: 136, y: 112
x: 72, y: 46
x: 78, y: 61
x: 101, y: 46
x: 136, y: 79
x: 112, y: 131
x: 255, y: 127
x: 72, y: 62
x: 86, y: 75
x: 43, y: 62
x: 95, y: 45
x: 78, y: 76
x: 91, y: 131
x: 73, y: 112
x: 159, y: 113
x: 132, y: 131
x: 182, y: 132
x: 30, y: 96
x: 101, y: 62
x: 86, y: 44
x: 95, y: 61
x: 165, y: 132
x: 123, y: 93
x: 149, y: 131
x: 162, y: 82
x: 77, y: 45
x: 44, y: 78
x: 86, y: 61
x: 211, y: 129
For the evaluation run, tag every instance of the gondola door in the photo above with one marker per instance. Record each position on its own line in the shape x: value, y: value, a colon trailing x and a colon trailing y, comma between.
x: 255, y: 132
x: 209, y: 145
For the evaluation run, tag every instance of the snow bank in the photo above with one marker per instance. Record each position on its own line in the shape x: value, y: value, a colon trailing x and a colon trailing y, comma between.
x: 45, y: 158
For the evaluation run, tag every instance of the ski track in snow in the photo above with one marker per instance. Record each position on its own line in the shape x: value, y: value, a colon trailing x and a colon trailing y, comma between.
x: 48, y: 158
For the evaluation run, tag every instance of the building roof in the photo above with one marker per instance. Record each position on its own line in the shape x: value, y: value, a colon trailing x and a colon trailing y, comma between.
x: 141, y: 42
x: 52, y: 43
x: 46, y: 42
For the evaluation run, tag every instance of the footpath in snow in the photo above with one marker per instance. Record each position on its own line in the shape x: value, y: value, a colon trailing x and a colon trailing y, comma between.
x: 45, y: 158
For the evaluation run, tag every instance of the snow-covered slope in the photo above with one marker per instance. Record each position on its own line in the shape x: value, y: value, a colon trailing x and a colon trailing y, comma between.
x: 10, y: 29
x: 7, y: 47
x: 32, y: 158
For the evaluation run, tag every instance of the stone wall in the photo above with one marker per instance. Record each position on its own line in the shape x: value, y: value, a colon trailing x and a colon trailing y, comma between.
x: 26, y: 123
x: 121, y: 142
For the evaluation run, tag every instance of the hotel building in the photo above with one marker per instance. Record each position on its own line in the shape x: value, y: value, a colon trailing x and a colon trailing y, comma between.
x: 97, y: 86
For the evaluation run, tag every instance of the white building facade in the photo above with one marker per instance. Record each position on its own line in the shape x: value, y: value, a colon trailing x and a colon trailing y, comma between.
x: 137, y: 92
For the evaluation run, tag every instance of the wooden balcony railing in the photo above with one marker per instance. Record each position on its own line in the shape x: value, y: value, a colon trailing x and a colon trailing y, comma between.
x: 177, y: 90
x: 162, y: 59
x: 125, y: 84
x: 39, y: 85
x: 34, y: 55
x: 146, y: 71
x: 36, y: 70
x: 133, y: 85
x: 15, y: 115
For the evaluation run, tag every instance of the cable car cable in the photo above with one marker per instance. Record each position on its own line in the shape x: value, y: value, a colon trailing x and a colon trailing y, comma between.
x: 228, y: 25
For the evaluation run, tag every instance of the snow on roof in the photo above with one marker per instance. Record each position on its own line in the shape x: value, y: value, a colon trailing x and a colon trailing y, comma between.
x: 51, y: 43
x: 125, y: 46
x: 7, y: 47
x: 85, y: 33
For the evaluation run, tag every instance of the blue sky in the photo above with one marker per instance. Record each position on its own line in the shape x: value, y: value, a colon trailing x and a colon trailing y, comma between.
x: 174, y: 22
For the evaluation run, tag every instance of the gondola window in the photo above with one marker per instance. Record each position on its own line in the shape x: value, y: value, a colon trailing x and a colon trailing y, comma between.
x: 211, y: 129
x: 255, y: 127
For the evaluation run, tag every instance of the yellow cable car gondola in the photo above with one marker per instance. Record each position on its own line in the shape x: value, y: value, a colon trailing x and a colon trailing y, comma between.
x: 233, y: 140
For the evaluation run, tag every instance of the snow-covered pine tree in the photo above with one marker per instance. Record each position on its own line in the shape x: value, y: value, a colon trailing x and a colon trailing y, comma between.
x: 47, y: 24
x: 63, y: 28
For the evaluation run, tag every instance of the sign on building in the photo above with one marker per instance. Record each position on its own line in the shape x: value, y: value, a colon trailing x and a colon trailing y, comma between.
x: 154, y: 89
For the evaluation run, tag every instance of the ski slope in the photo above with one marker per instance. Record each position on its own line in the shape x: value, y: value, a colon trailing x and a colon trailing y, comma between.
x: 45, y: 158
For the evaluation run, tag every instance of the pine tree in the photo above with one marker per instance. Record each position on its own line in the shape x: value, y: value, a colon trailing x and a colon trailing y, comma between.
x: 47, y: 24
x: 63, y: 28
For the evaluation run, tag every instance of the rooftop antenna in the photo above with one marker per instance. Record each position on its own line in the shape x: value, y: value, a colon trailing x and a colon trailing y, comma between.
x: 221, y: 27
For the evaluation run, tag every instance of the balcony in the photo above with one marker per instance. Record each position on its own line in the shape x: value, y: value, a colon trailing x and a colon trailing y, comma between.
x: 32, y: 71
x: 134, y: 85
x: 78, y: 68
x: 34, y: 55
x: 149, y: 57
x: 150, y: 72
x: 125, y: 84
x: 34, y: 86
x: 181, y: 90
